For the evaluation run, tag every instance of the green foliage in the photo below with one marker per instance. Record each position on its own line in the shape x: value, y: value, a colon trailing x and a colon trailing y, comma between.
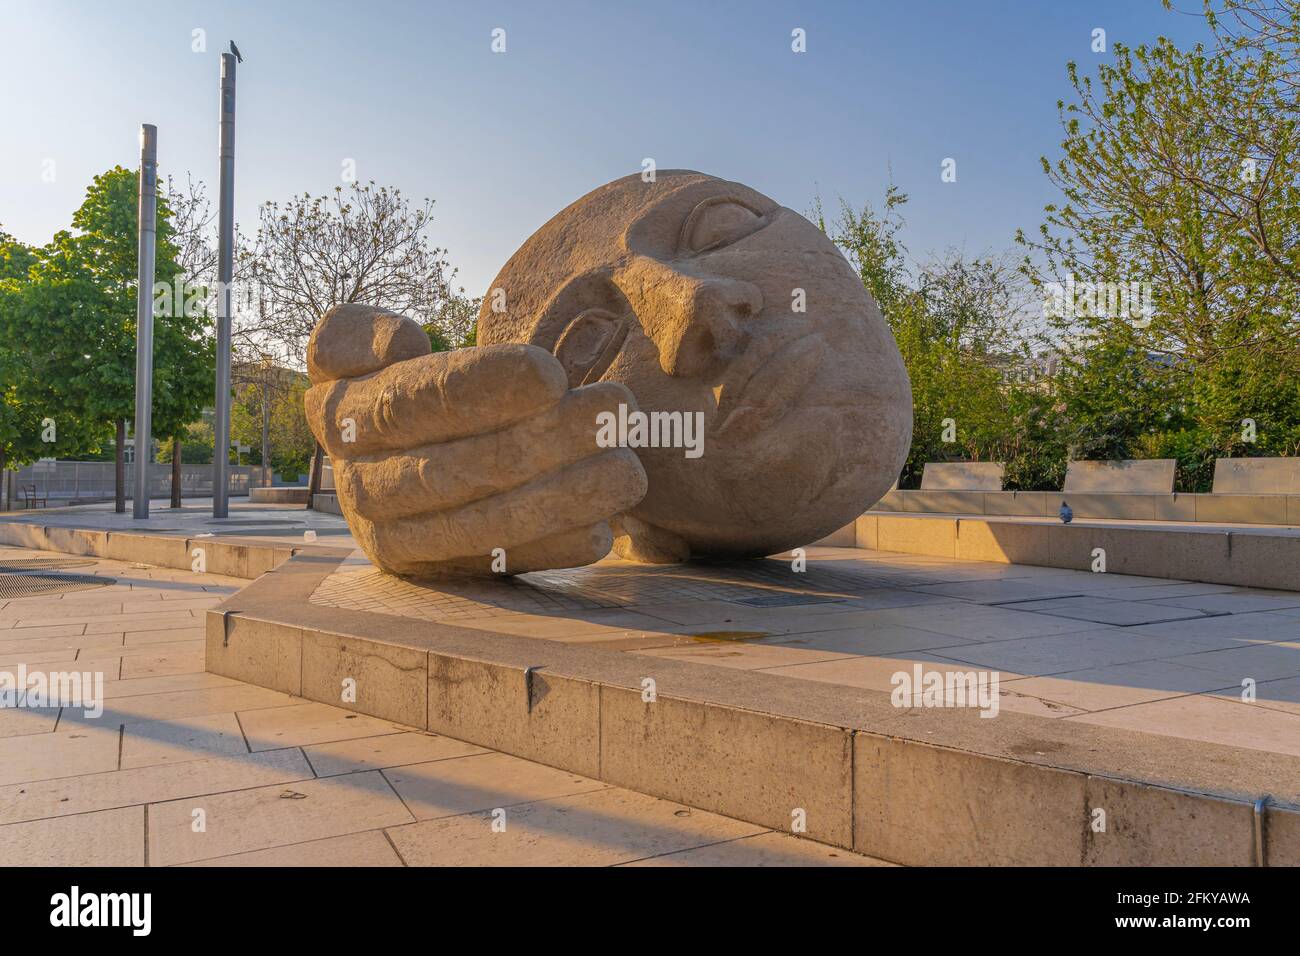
x: 453, y: 325
x: 291, y: 441
x: 958, y: 325
x: 67, y: 322
x: 1180, y: 170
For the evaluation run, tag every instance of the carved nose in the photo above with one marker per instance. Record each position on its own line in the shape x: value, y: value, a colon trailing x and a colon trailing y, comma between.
x: 712, y: 326
x: 697, y: 322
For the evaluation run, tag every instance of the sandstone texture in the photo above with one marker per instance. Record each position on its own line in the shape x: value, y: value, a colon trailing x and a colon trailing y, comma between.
x: 755, y: 395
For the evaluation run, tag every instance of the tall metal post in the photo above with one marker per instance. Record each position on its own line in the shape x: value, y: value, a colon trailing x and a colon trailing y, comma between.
x: 225, y: 271
x: 148, y: 223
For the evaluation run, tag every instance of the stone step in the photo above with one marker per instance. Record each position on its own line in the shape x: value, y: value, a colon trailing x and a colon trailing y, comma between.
x: 920, y: 787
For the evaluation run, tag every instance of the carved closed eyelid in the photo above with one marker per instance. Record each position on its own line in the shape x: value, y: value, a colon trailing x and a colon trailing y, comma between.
x: 715, y: 222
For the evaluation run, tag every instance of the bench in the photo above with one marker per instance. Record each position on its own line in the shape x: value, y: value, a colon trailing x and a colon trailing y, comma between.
x: 962, y: 476
x: 1127, y: 477
x: 1257, y: 476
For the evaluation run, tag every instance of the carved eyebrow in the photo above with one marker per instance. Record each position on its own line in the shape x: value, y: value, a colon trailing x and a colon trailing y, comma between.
x: 702, y: 207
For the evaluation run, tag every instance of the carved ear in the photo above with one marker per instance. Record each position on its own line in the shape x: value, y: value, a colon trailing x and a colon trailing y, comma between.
x: 586, y: 342
x: 584, y: 326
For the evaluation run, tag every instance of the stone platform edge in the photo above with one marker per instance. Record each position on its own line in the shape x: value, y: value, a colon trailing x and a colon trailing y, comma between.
x: 1244, y: 557
x: 236, y: 559
x: 914, y: 787
x: 1275, y: 509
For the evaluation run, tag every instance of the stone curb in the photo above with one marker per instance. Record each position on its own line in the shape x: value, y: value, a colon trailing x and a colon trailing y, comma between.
x: 913, y: 787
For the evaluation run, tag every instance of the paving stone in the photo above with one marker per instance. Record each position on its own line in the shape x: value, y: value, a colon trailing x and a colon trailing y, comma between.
x: 19, y: 720
x: 367, y: 849
x: 1260, y: 662
x: 176, y: 705
x: 390, y: 750
x: 1234, y: 602
x: 981, y: 622
x: 1069, y: 652
x: 874, y: 640
x: 60, y: 754
x: 120, y: 788
x: 765, y: 849
x: 188, y: 738
x: 106, y: 838
x: 745, y: 656
x: 594, y: 829
x: 444, y: 788
x: 276, y: 816
x: 1110, y: 611
x: 1211, y: 719
x: 1136, y: 682
x: 872, y: 673
x: 12, y: 648
x: 166, y: 684
x: 158, y: 665
x: 305, y: 724
x: 168, y: 635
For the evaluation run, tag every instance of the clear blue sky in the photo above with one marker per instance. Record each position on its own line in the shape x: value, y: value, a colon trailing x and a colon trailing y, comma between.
x: 585, y: 91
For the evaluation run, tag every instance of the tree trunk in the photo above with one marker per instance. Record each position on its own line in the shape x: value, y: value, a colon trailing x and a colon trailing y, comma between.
x: 176, y: 472
x: 3, y: 482
x: 119, y: 469
x: 313, y: 480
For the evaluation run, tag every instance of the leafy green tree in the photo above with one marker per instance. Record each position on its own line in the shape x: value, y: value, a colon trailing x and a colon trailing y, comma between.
x: 1179, y: 173
x: 959, y: 324
x: 75, y: 319
x: 34, y: 420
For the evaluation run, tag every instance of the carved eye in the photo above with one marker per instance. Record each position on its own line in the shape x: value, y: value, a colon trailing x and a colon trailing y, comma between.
x: 588, y: 345
x: 717, y: 222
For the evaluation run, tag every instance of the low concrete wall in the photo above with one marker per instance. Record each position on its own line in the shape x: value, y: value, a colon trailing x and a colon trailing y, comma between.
x: 283, y: 496
x: 1214, y: 508
x: 232, y: 558
x: 327, y: 504
x: 1245, y: 558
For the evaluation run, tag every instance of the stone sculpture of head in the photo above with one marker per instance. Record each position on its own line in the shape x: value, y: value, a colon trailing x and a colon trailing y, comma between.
x: 702, y: 295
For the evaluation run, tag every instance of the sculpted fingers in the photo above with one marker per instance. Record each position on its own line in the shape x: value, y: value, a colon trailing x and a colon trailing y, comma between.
x: 434, y: 398
x: 353, y: 340
x: 578, y: 495
x: 568, y: 549
x: 451, y: 474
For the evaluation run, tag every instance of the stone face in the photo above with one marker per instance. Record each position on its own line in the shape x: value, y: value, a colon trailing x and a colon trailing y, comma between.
x: 687, y: 291
x: 759, y: 398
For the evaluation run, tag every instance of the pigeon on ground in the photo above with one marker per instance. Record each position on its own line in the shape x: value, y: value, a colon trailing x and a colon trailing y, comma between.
x: 1066, y: 513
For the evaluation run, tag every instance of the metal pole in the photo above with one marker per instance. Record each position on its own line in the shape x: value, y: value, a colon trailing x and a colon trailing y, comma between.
x: 148, y: 222
x: 225, y: 270
x: 266, y: 430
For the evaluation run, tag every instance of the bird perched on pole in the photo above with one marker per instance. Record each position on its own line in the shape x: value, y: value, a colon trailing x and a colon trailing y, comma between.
x: 235, y: 50
x: 1066, y: 513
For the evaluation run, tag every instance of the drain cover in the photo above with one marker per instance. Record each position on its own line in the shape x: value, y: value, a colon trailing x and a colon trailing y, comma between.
x: 31, y: 583
x: 40, y: 564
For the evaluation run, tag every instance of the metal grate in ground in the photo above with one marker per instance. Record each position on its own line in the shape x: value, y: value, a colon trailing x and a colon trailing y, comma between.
x: 41, y: 564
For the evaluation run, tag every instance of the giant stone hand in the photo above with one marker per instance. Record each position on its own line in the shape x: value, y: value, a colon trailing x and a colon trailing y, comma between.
x: 475, y: 461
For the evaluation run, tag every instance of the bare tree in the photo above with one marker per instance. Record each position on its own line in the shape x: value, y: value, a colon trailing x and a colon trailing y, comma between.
x: 193, y: 224
x: 367, y: 244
